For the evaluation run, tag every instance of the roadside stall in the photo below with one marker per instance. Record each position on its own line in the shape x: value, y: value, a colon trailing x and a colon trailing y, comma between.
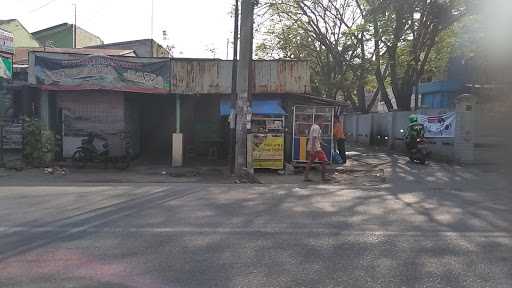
x: 267, y: 132
x: 303, y: 118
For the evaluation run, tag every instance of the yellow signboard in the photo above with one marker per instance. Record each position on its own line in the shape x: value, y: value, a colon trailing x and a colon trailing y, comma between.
x: 268, y: 151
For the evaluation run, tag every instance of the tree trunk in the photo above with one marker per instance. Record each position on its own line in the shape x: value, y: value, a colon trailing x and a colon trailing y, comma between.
x: 362, y: 76
x: 348, y: 97
x: 361, y: 98
x: 378, y: 72
x: 372, y: 102
x: 404, y: 97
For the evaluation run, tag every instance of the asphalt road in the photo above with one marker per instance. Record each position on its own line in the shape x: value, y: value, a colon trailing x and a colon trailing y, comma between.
x: 452, y: 228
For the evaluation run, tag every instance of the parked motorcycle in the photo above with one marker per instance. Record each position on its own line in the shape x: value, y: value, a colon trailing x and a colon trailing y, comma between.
x: 88, y: 153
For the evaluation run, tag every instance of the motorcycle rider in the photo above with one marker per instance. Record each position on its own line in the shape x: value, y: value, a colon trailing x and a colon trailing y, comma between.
x: 415, y: 131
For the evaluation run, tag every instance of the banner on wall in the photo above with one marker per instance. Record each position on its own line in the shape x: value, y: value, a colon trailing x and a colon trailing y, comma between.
x: 441, y: 126
x: 57, y: 71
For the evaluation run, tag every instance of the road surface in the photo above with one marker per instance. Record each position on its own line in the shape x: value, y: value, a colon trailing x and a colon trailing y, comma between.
x: 451, y: 227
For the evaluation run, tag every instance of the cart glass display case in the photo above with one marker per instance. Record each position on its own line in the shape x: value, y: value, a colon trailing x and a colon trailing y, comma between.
x: 304, y: 117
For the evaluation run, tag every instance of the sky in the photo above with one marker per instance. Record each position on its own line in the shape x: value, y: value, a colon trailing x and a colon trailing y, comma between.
x: 194, y: 27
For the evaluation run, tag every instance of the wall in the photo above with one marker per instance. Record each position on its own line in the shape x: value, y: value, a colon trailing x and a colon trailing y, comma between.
x: 141, y: 47
x: 62, y: 37
x: 465, y: 129
x: 58, y: 39
x: 92, y: 111
x: 383, y: 129
x: 485, y: 136
x: 159, y: 50
x: 364, y: 128
x: 22, y: 38
x: 86, y: 38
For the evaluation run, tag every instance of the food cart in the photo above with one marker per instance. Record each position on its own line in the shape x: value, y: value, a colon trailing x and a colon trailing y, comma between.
x: 304, y: 117
x: 266, y: 135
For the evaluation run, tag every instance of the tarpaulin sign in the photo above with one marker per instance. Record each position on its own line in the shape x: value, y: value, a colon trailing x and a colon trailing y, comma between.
x: 56, y: 71
x: 439, y: 126
x: 5, y: 67
x: 268, y: 151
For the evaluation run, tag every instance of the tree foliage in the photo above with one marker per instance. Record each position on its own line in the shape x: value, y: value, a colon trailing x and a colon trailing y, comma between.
x: 359, y: 44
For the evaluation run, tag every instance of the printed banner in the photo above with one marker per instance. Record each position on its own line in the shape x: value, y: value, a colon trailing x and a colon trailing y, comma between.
x: 87, y: 72
x: 268, y: 151
x: 5, y: 67
x: 441, y: 126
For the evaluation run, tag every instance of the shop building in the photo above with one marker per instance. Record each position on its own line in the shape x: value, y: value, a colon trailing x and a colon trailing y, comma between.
x: 156, y: 107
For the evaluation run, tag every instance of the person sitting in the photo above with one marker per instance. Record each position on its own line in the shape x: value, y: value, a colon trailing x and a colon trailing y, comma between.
x: 415, y: 131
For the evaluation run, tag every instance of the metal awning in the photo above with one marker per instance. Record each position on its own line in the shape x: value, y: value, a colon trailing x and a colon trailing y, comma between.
x: 258, y: 106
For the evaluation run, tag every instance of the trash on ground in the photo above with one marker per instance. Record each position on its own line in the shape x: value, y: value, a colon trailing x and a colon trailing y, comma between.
x: 55, y: 171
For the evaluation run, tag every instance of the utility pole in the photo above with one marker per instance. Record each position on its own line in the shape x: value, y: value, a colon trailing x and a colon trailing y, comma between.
x: 152, y: 19
x: 74, y: 29
x: 232, y: 114
x: 227, y: 48
x: 243, y: 113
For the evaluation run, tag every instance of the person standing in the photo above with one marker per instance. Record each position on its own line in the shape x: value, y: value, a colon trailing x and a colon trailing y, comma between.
x: 316, y: 153
x: 339, y: 136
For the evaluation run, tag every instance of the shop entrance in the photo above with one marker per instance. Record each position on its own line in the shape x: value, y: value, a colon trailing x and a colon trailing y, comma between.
x: 151, y: 121
x: 205, y: 132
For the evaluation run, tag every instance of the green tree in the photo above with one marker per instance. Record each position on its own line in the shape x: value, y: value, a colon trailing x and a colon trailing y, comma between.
x: 327, y: 32
x: 359, y: 44
x: 408, y: 31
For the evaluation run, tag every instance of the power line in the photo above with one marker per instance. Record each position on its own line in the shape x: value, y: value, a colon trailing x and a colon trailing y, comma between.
x: 41, y: 7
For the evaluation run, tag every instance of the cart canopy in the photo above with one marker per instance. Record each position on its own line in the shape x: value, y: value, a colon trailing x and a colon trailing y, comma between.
x: 259, y: 107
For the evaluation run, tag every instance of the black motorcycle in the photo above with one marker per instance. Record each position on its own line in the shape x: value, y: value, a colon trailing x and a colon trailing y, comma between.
x: 87, y: 153
x: 418, y: 152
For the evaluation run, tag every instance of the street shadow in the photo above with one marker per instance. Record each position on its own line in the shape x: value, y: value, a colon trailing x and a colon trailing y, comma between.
x: 74, y: 227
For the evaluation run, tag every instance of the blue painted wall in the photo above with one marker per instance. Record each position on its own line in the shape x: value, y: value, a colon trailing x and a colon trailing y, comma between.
x: 440, y: 94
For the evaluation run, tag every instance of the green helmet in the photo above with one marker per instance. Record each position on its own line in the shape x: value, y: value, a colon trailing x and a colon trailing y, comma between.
x: 413, y: 119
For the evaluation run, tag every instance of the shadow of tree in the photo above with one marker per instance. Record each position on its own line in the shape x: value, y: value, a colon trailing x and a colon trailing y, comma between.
x: 435, y: 226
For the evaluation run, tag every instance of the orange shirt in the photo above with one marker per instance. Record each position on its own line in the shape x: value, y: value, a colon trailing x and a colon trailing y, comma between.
x: 338, y: 131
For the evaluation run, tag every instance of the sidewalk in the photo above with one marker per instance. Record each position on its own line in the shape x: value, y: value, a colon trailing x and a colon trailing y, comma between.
x: 365, y: 167
x: 95, y: 175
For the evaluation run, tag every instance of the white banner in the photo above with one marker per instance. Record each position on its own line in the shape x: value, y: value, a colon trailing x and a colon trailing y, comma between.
x: 439, y: 126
